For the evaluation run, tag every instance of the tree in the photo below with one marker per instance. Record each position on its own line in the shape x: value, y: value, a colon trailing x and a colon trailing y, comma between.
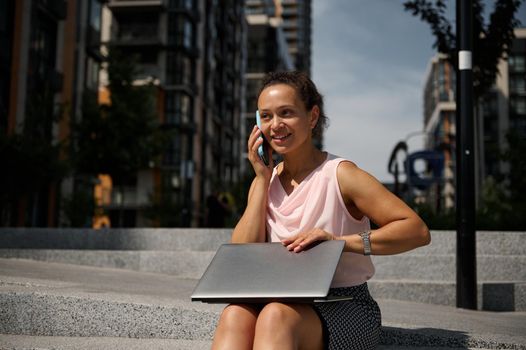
x: 491, y: 41
x: 123, y: 137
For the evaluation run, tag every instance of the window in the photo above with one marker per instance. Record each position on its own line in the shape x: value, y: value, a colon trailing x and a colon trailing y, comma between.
x: 518, y: 105
x: 184, y: 4
x: 172, y: 156
x: 517, y: 63
x: 180, y: 69
x: 92, y: 73
x: 180, y: 31
x: 94, y: 16
x: 43, y: 47
x: 517, y: 83
x: 178, y: 108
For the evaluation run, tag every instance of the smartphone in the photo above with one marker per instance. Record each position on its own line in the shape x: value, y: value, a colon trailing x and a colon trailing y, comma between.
x: 263, y: 148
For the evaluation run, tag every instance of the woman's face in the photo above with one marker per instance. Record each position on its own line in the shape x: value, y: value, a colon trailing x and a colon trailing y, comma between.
x: 285, y: 122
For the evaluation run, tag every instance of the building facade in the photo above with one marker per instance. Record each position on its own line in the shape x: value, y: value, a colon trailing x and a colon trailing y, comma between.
x: 439, y: 127
x: 205, y: 58
x: 50, y: 59
x: 265, y: 35
x: 194, y: 52
x: 502, y: 109
x: 297, y: 28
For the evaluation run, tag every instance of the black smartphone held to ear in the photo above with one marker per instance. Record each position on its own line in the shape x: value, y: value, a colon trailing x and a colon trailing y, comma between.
x: 263, y: 148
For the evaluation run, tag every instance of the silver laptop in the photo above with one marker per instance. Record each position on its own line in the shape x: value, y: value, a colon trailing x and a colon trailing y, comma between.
x: 265, y: 272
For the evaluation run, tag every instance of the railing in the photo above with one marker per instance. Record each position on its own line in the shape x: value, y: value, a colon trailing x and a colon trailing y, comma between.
x: 134, y: 33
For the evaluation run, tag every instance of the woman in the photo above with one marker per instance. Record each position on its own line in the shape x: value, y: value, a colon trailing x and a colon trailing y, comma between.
x: 313, y: 196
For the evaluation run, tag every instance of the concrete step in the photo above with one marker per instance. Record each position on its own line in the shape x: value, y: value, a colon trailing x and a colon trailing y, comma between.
x: 443, y: 267
x: 46, y: 314
x: 487, y: 243
x: 114, y: 239
x: 491, y: 296
x: 19, y: 342
x: 443, y: 242
x: 48, y: 299
x: 24, y: 342
x: 192, y: 264
x: 496, y: 296
x: 184, y: 264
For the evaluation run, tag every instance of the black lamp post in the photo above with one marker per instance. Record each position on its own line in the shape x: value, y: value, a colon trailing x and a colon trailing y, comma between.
x: 465, y: 172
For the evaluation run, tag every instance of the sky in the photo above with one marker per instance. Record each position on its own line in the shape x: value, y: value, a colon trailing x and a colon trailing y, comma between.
x: 369, y: 61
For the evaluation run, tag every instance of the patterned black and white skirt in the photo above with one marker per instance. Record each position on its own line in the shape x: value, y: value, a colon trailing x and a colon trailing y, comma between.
x: 352, y: 324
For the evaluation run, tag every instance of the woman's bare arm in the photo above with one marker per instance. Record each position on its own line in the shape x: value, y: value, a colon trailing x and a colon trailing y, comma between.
x: 251, y: 226
x: 400, y: 228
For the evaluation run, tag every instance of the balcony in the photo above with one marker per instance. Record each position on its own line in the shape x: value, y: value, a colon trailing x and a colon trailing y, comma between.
x: 138, y: 35
x: 148, y: 71
x: 126, y: 5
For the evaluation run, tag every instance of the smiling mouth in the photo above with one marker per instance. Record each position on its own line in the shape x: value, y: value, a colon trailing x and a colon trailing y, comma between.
x: 281, y: 137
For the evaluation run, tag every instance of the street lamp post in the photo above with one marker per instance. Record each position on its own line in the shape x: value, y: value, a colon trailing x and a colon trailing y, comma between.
x: 465, y: 174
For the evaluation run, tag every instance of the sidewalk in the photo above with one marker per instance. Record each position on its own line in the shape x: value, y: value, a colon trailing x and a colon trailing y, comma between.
x: 91, y: 308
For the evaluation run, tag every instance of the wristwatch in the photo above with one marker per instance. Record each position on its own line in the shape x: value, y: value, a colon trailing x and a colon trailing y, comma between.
x: 366, y: 242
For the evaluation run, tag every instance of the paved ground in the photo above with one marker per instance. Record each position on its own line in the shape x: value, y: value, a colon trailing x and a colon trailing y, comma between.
x: 70, y: 343
x: 423, y: 322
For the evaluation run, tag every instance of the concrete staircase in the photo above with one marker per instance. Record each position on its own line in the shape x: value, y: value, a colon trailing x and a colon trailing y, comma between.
x: 427, y: 274
x: 64, y: 306
x: 129, y: 289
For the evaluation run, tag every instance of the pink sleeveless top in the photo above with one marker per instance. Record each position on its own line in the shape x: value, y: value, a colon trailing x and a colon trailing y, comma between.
x: 318, y: 202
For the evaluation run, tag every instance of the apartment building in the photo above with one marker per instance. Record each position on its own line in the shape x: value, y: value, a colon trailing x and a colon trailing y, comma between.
x: 297, y: 28
x: 194, y: 52
x: 502, y: 109
x: 49, y: 60
x: 265, y: 35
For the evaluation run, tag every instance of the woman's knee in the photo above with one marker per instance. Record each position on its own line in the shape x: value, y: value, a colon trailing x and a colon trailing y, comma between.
x: 289, y: 324
x: 278, y: 315
x: 238, y: 317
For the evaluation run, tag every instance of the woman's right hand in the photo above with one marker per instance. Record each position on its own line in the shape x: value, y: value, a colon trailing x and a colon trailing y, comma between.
x: 254, y: 141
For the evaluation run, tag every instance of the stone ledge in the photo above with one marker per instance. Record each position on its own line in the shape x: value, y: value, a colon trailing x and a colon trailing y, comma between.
x: 492, y: 296
x: 442, y: 243
x: 65, y: 316
x: 61, y: 299
x: 207, y: 239
x: 191, y: 264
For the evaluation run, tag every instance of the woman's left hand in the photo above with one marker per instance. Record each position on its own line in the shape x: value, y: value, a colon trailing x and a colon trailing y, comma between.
x: 305, y: 239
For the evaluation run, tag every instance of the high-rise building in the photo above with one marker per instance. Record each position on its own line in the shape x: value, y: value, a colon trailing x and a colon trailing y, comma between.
x: 49, y: 59
x: 294, y: 19
x: 193, y: 50
x: 221, y: 76
x: 439, y: 126
x: 296, y: 16
x: 502, y: 109
x: 265, y: 35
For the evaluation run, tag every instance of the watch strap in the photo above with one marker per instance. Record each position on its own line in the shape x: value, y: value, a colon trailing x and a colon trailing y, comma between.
x: 366, y: 242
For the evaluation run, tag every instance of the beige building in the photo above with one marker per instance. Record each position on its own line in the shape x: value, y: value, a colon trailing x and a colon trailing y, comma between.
x: 500, y: 110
